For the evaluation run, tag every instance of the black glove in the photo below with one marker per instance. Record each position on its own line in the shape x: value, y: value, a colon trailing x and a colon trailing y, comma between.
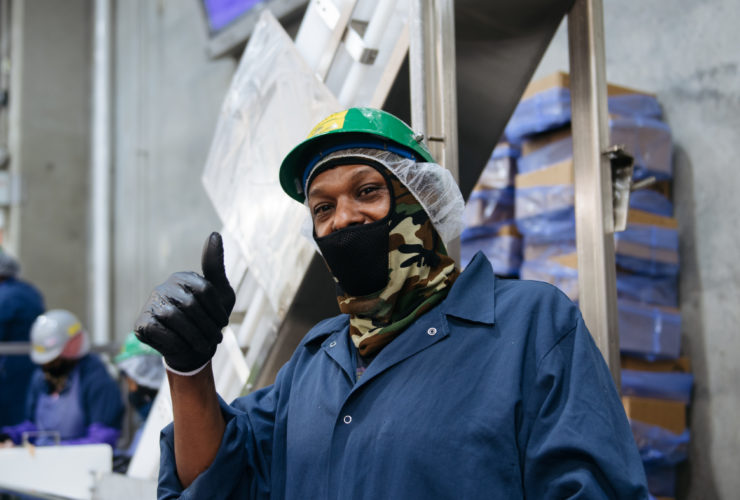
x: 184, y: 315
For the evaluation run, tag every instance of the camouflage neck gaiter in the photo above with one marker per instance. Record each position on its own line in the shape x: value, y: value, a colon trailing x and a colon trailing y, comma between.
x: 420, y: 274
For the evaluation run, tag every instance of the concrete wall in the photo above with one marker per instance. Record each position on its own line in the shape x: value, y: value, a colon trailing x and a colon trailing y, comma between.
x: 686, y: 52
x: 167, y: 98
x: 49, y: 146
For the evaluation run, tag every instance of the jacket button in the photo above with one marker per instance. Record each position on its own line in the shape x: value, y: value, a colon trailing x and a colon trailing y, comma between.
x: 347, y: 419
x: 333, y: 343
x: 432, y: 331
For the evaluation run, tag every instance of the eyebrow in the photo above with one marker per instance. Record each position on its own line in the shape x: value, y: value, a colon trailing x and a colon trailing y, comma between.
x: 357, y: 174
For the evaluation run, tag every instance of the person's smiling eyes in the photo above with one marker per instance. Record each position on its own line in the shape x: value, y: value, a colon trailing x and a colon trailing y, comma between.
x: 369, y: 190
x: 321, y: 208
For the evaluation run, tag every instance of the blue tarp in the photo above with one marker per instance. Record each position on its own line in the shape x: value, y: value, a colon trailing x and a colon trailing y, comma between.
x: 646, y: 139
x: 660, y: 451
x: 545, y: 216
x: 661, y: 480
x: 546, y: 202
x: 649, y: 332
x: 675, y: 386
x: 651, y: 201
x: 656, y: 290
x: 659, y: 446
x: 550, y: 109
x: 503, y: 251
x: 646, y: 258
x: 490, y: 207
x: 646, y: 331
x: 501, y: 168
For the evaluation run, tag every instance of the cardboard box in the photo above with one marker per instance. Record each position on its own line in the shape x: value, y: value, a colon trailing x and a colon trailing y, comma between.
x: 561, y: 79
x: 555, y: 175
x: 537, y: 142
x: 648, y: 219
x: 682, y: 365
x: 670, y: 415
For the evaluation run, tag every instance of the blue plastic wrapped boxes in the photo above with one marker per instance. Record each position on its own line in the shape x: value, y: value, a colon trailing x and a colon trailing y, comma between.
x: 648, y: 140
x: 656, y: 395
x: 545, y: 105
x: 489, y: 215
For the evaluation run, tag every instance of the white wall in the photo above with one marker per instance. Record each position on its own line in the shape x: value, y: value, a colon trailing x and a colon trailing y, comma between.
x: 167, y: 98
x: 688, y: 53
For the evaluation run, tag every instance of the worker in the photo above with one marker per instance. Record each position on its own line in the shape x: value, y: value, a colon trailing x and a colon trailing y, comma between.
x: 432, y: 383
x: 142, y: 369
x: 20, y: 304
x: 72, y: 399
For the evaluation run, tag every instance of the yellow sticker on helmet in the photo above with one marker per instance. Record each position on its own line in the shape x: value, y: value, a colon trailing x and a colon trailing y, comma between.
x: 74, y: 329
x: 38, y: 348
x: 331, y: 122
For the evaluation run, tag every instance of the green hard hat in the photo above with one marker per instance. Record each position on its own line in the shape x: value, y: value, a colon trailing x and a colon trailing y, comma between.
x: 352, y: 128
x: 132, y: 346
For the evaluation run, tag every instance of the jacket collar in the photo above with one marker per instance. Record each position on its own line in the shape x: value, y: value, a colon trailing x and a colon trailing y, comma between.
x: 326, y: 328
x: 472, y: 295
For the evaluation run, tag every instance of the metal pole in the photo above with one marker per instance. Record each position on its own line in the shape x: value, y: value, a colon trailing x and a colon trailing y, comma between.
x: 593, y: 190
x: 447, y: 84
x: 433, y: 84
x: 418, y: 14
x: 100, y: 294
x: 5, y: 35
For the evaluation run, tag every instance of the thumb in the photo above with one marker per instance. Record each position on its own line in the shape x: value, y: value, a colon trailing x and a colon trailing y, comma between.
x: 212, y: 262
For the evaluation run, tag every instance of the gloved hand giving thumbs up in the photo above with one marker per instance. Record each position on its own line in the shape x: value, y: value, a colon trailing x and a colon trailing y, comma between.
x: 184, y: 315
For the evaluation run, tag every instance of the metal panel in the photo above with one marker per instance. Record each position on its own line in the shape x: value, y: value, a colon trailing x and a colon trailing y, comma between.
x: 100, y: 153
x: 593, y: 189
x: 433, y: 83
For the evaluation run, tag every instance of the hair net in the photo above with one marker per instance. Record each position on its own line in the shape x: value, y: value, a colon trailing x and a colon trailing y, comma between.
x: 8, y: 265
x: 433, y: 186
x: 146, y: 370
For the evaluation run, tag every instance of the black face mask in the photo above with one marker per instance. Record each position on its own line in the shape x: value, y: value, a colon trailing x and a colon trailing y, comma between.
x: 56, y: 373
x: 357, y: 256
x: 141, y: 399
x: 59, y: 369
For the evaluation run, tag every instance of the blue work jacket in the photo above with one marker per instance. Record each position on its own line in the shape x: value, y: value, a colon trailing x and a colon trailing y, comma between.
x: 20, y: 304
x: 498, y: 392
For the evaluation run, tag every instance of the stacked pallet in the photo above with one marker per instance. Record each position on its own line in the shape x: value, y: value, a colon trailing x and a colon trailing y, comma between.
x: 489, y: 215
x: 656, y: 380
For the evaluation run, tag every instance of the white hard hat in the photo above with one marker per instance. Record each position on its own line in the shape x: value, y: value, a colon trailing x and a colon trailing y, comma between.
x: 58, y: 333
